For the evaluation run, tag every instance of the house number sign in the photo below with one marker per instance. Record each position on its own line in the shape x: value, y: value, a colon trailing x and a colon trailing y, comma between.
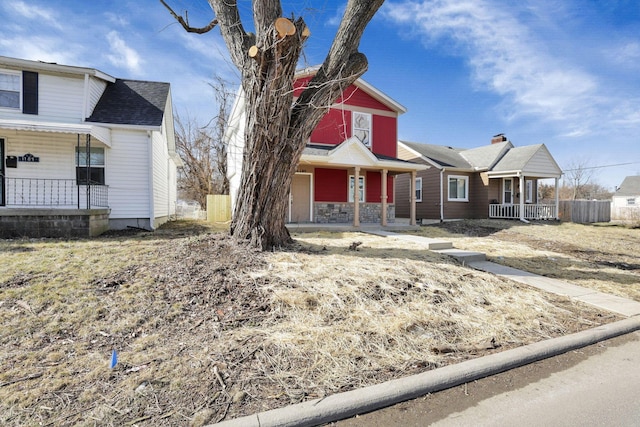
x: 30, y: 158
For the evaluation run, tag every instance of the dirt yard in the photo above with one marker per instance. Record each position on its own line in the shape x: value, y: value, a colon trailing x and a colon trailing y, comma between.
x: 207, y: 330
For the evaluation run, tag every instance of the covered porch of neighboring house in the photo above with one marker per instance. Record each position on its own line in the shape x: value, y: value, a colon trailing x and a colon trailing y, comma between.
x: 346, y: 184
x: 52, y: 179
x: 515, y: 196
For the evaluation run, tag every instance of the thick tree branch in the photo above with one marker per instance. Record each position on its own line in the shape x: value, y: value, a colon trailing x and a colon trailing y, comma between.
x: 185, y: 22
x: 237, y: 40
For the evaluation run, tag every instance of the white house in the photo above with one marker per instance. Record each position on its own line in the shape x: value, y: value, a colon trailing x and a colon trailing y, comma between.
x: 625, y: 203
x: 79, y: 146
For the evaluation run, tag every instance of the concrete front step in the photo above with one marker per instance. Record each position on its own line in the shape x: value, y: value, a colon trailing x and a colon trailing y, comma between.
x: 464, y: 257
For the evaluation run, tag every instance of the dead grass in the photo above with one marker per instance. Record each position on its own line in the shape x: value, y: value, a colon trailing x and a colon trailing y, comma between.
x: 207, y: 329
x: 603, y: 257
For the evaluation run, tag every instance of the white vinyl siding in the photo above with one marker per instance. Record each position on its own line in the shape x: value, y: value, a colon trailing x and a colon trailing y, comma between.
x: 60, y: 99
x: 55, y: 150
x: 160, y: 176
x: 96, y: 89
x: 127, y: 174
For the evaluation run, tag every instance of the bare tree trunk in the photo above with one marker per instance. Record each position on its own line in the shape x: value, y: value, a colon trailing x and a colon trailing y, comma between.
x: 277, y: 129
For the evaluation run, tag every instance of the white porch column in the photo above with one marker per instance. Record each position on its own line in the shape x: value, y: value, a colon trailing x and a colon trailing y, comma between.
x: 557, y: 199
x: 356, y: 196
x: 383, y: 197
x: 412, y: 197
x: 522, y: 197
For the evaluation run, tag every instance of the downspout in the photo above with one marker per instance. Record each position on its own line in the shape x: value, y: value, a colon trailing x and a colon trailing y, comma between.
x: 441, y: 195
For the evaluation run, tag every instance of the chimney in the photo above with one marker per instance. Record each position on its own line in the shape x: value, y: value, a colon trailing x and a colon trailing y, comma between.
x: 498, y: 138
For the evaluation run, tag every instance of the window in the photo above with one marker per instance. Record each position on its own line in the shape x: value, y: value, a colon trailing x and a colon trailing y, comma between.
x: 418, y: 189
x: 529, y: 191
x: 458, y: 188
x: 631, y: 202
x: 360, y: 188
x: 96, y: 166
x: 362, y: 127
x: 10, y: 89
x: 507, y: 194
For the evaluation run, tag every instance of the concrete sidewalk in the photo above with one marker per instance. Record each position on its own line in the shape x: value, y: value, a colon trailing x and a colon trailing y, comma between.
x: 477, y: 260
x: 344, y: 405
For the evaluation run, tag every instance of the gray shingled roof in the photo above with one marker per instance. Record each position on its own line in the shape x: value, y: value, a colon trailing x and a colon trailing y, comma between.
x: 483, y: 158
x: 440, y: 154
x: 132, y: 102
x: 630, y: 187
x: 516, y: 158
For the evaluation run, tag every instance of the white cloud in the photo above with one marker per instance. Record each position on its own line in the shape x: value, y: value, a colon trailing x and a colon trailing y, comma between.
x: 509, y: 57
x: 34, y: 12
x: 122, y: 55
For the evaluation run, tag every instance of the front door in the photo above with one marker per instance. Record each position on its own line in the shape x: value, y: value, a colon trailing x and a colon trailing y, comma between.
x: 2, y: 171
x: 301, y: 198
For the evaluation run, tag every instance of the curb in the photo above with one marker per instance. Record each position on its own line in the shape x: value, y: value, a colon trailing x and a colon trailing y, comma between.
x: 344, y: 405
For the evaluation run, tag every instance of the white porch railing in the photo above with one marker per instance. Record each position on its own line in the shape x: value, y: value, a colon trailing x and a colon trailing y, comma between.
x: 530, y: 211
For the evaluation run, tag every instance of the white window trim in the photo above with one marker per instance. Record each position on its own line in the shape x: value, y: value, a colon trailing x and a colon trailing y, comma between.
x: 528, y: 191
x: 352, y: 190
x: 631, y: 201
x: 504, y: 191
x: 466, y: 188
x: 370, y: 129
x: 418, y: 188
x: 19, y: 75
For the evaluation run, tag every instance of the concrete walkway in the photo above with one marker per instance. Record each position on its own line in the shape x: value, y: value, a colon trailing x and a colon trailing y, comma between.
x: 344, y: 405
x: 478, y: 260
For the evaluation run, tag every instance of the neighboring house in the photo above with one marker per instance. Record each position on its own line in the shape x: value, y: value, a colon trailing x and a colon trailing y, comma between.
x: 625, y: 203
x: 355, y: 142
x: 83, y: 151
x: 492, y: 181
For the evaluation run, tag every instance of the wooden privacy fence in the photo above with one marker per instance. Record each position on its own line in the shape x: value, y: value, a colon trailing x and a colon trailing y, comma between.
x: 585, y: 211
x: 218, y: 208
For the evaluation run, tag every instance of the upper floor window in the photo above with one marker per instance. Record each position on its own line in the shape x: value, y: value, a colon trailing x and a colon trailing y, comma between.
x: 459, y: 188
x: 631, y: 201
x: 362, y: 127
x: 10, y: 89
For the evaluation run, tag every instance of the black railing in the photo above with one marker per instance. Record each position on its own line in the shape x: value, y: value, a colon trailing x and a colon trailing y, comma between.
x: 59, y: 193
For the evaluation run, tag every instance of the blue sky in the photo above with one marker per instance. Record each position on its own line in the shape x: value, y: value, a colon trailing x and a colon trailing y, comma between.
x: 561, y: 72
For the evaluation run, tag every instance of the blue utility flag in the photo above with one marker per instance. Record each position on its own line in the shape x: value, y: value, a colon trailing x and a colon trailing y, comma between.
x: 114, y: 359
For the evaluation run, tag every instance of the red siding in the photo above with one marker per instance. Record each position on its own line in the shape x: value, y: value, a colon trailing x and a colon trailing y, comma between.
x: 355, y: 96
x: 334, y: 128
x: 352, y: 96
x: 330, y: 185
x: 373, y: 184
x: 373, y: 187
x: 385, y: 135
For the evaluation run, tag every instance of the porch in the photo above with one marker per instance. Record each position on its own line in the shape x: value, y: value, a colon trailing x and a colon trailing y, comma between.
x: 59, y: 208
x: 529, y: 211
x: 53, y: 193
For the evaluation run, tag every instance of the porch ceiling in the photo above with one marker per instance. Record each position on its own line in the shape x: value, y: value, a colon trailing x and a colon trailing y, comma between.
x: 98, y: 132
